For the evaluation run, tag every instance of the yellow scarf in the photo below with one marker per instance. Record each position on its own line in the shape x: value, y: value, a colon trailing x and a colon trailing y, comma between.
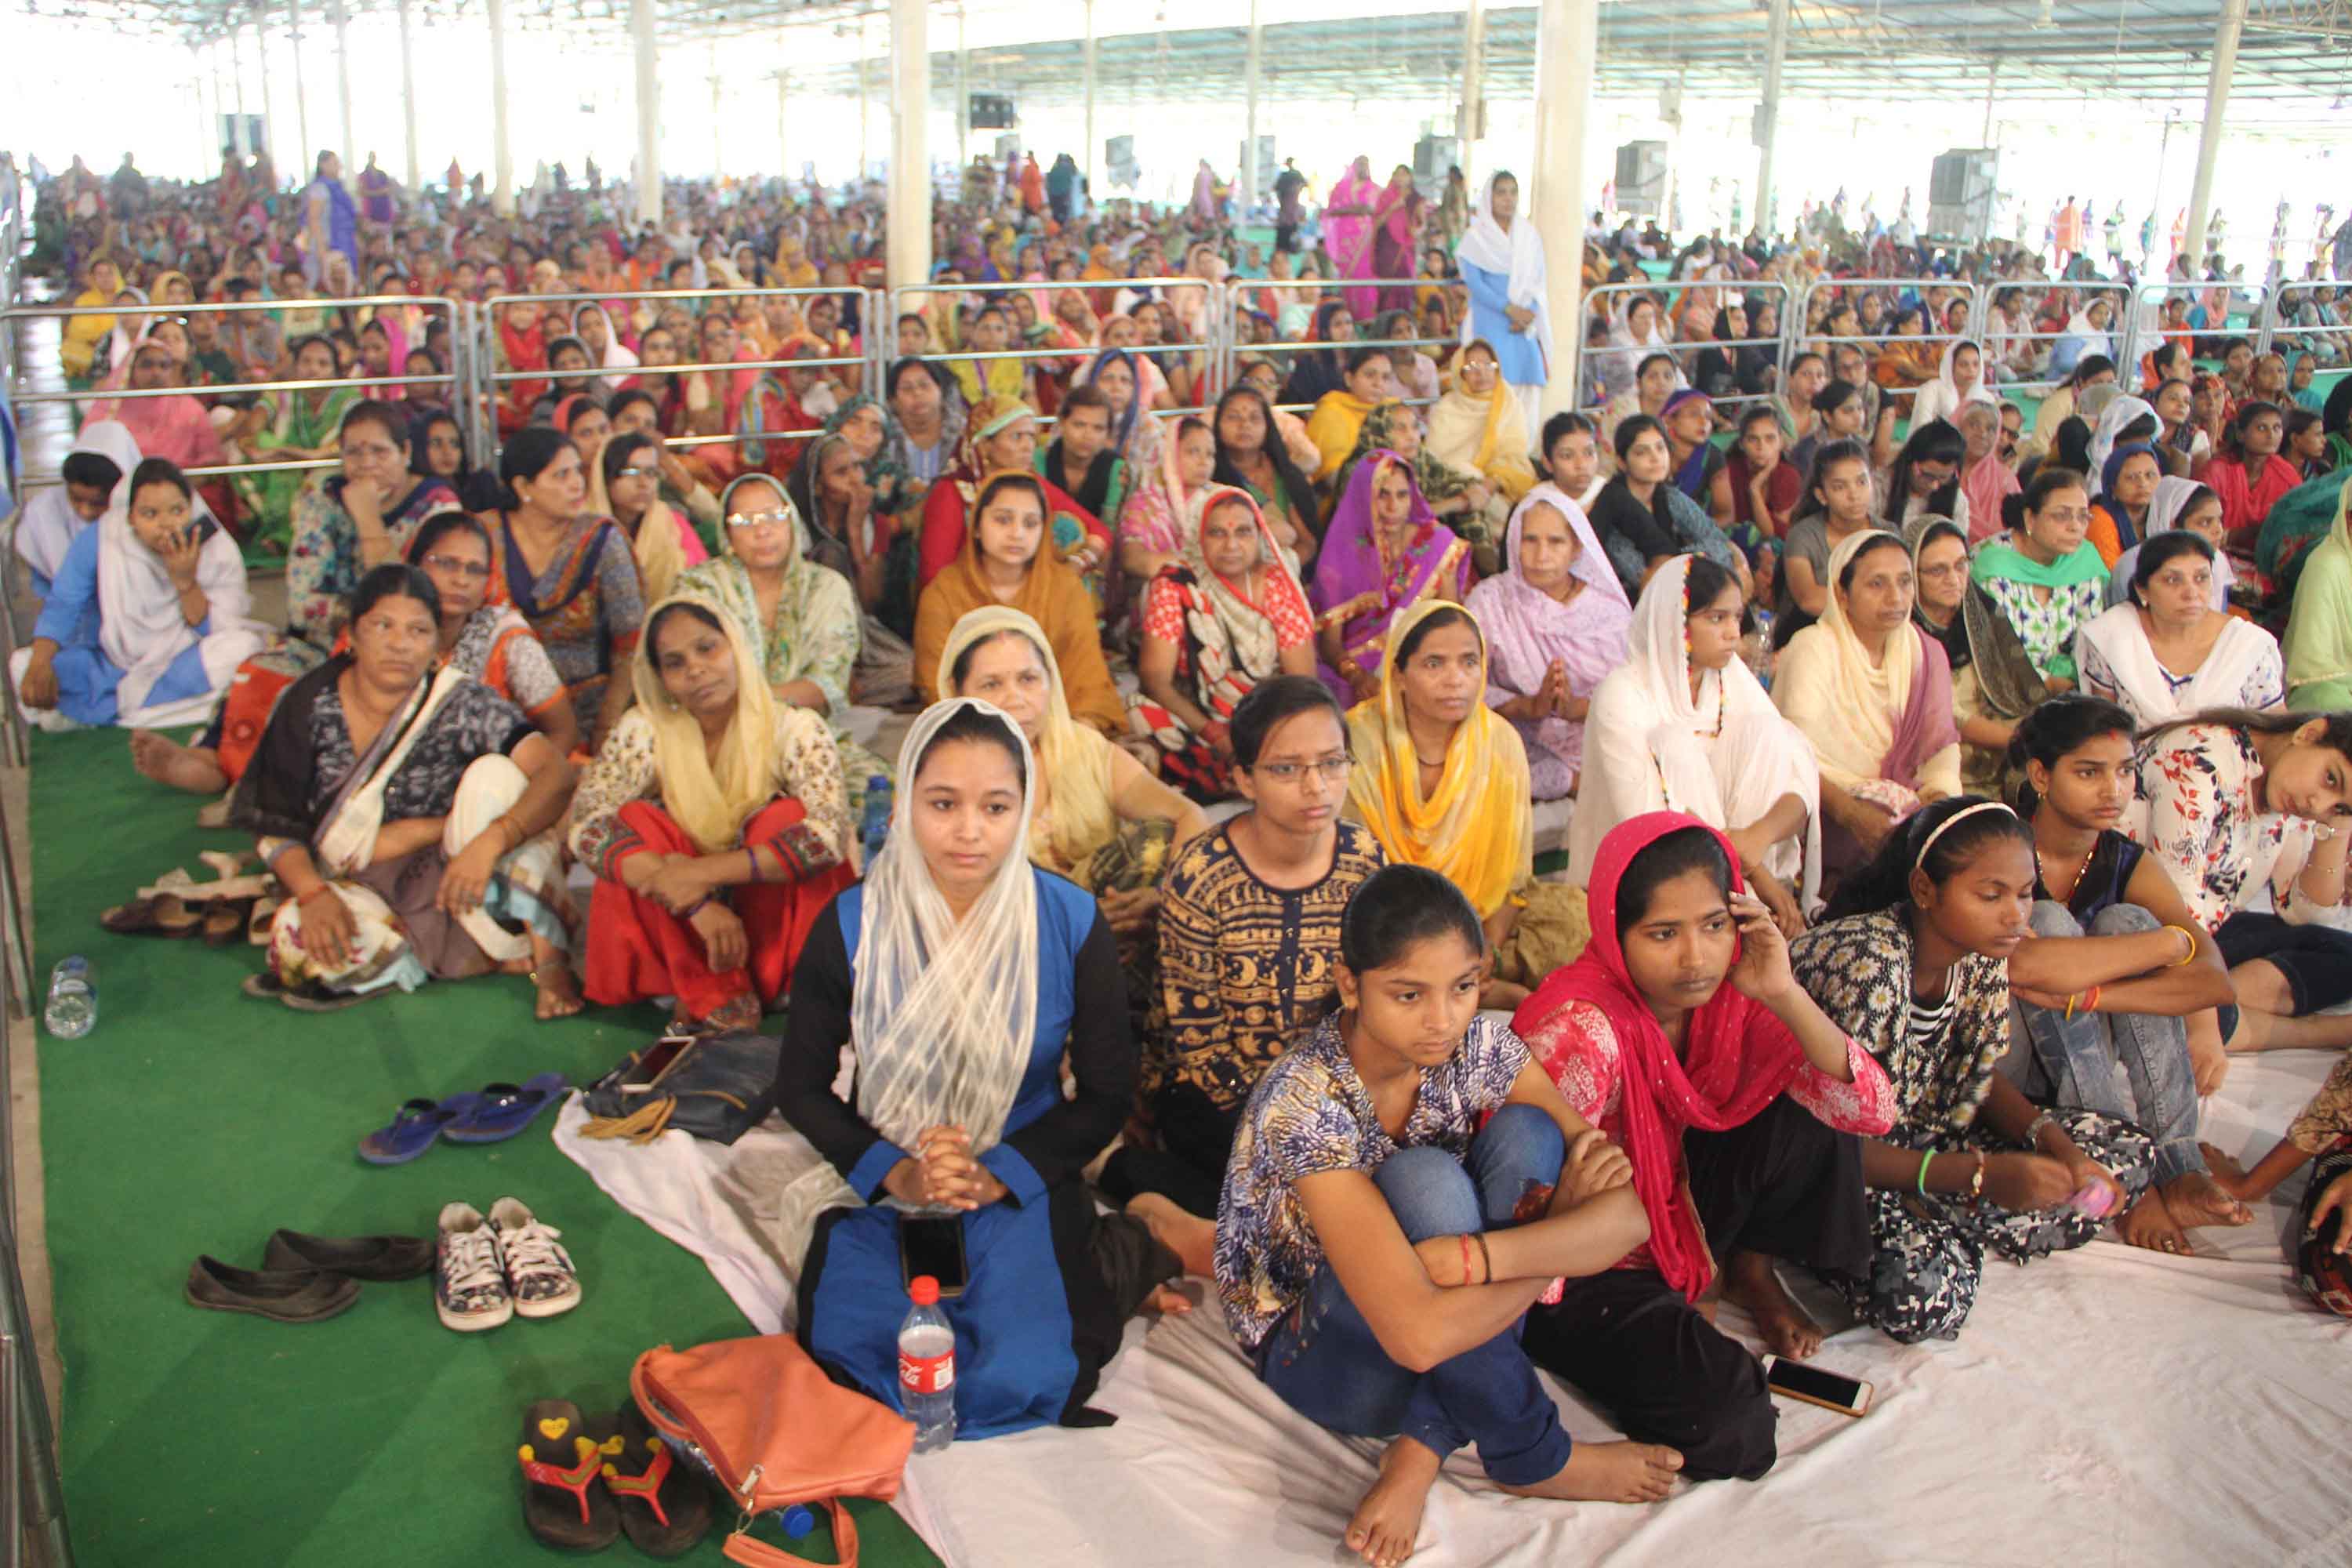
x: 1337, y: 420
x: 1477, y: 828
x: 712, y: 807
x: 1074, y: 759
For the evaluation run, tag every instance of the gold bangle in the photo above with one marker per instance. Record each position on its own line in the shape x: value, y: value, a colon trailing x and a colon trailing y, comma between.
x: 2192, y: 953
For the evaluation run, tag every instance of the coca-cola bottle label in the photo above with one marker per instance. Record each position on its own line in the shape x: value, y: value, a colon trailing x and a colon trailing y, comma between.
x: 927, y: 1374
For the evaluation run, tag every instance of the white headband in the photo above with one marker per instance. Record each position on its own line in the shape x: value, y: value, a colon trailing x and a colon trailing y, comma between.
x: 1952, y: 822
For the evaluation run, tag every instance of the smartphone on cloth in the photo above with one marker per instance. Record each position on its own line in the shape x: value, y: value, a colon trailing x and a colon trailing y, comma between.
x: 1814, y: 1385
x: 650, y: 1068
x: 932, y: 1244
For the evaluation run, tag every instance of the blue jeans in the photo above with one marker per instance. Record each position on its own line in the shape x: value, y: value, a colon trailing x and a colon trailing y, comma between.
x: 1325, y: 1362
x: 2131, y: 1066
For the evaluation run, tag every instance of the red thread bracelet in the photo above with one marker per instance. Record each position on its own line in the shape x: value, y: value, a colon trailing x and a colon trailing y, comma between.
x: 1464, y: 1239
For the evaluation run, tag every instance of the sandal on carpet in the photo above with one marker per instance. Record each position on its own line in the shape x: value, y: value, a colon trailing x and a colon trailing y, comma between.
x: 664, y: 1509
x: 563, y: 1497
x: 225, y: 922
x: 381, y: 1259
x: 317, y: 996
x: 503, y: 1109
x: 263, y: 985
x: 160, y: 914
x: 414, y: 1127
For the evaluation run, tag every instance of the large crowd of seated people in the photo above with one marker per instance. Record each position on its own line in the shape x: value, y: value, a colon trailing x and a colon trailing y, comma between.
x: 1952, y: 725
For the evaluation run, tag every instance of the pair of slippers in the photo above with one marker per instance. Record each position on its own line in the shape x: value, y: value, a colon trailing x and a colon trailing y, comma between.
x: 493, y: 1115
x: 220, y: 912
x: 587, y: 1482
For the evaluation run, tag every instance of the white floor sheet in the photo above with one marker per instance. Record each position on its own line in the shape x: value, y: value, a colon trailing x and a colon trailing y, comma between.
x: 2109, y: 1408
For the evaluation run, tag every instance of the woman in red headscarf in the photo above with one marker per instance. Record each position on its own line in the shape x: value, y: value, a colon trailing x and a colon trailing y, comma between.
x: 1682, y: 1033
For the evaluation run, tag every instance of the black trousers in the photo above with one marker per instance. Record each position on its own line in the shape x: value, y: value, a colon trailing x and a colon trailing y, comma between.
x: 1196, y: 1139
x: 1782, y: 1185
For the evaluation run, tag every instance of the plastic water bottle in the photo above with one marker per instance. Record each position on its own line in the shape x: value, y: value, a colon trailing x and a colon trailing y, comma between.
x: 875, y: 827
x: 927, y: 1367
x: 72, y: 1011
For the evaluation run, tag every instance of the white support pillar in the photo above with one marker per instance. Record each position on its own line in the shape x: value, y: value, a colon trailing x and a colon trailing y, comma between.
x: 415, y: 164
x: 236, y: 73
x: 1088, y: 160
x: 1248, y: 181
x: 717, y: 100
x: 306, y: 155
x: 648, y: 171
x: 273, y: 130
x: 909, y: 219
x: 1567, y: 37
x: 348, y: 148
x: 501, y: 149
x: 2209, y: 138
x: 1992, y: 86
x: 1470, y: 121
x: 784, y: 139
x: 208, y: 143
x: 963, y: 101
x: 864, y: 154
x: 1776, y: 52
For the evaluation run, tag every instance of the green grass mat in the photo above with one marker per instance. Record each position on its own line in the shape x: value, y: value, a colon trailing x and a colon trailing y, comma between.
x: 193, y: 1119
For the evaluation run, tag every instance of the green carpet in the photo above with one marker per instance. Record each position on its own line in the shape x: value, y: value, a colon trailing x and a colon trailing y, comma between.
x: 193, y: 1119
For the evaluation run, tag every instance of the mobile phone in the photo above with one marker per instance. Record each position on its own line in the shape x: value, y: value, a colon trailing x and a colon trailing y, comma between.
x: 648, y: 1069
x: 932, y: 1244
x: 1829, y: 1390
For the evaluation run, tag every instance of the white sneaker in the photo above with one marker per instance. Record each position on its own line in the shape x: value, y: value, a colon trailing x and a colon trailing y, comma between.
x: 470, y: 1281
x: 538, y: 1273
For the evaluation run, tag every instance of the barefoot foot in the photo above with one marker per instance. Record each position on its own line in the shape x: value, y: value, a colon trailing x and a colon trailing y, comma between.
x: 1388, y: 1521
x: 1788, y: 1330
x: 194, y: 769
x: 2225, y: 1173
x: 1187, y: 1234
x: 2195, y: 1198
x: 559, y: 993
x: 2149, y: 1223
x: 1611, y: 1472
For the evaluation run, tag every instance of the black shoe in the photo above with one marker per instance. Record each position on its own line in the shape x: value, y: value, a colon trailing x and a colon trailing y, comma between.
x: 382, y: 1259
x: 285, y: 1296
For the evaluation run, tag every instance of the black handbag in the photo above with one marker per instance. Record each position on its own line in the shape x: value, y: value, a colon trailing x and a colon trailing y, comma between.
x: 713, y: 1086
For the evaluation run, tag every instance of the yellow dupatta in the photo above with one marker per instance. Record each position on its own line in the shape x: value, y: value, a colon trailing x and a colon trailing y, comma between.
x: 1073, y: 760
x: 711, y: 804
x: 1478, y: 828
x: 1481, y: 436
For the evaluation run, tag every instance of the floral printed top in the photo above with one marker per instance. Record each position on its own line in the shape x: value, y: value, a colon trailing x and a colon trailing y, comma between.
x: 1311, y: 1114
x: 2046, y: 627
x: 497, y: 647
x: 805, y: 766
x: 588, y: 607
x: 323, y: 566
x: 1578, y: 1050
x: 2200, y: 783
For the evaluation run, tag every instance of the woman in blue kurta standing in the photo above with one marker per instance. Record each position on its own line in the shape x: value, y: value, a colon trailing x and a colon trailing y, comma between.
x: 1502, y: 260
x: 962, y: 975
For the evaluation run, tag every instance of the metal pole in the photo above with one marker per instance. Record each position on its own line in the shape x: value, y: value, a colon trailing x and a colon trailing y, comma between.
x: 305, y: 155
x: 910, y: 202
x: 1776, y: 53
x: 2209, y: 138
x: 1993, y: 85
x: 273, y: 131
x: 649, y: 177
x: 1567, y: 40
x: 503, y: 149
x: 1089, y: 159
x: 242, y: 142
x: 343, y: 86
x: 784, y: 141
x: 717, y: 143
x: 1249, y: 137
x: 207, y: 145
x: 963, y: 101
x: 408, y: 103
x: 1470, y: 123
x: 865, y: 158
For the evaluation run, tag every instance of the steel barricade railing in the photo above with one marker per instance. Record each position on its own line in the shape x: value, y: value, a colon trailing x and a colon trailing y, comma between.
x: 2275, y: 326
x: 2140, y: 340
x: 1661, y: 292
x: 2118, y: 297
x: 453, y: 378
x: 1803, y: 340
x: 908, y: 297
x: 1238, y: 291
x: 490, y: 381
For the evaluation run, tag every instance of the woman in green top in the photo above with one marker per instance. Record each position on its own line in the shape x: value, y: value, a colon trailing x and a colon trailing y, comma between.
x: 293, y: 426
x: 2044, y: 575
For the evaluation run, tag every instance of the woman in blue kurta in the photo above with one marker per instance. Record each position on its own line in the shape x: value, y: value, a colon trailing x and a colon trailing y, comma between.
x: 1502, y: 261
x: 960, y: 976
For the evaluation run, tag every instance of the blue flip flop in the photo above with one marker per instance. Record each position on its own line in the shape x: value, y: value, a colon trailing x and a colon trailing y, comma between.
x: 414, y: 1127
x: 503, y: 1109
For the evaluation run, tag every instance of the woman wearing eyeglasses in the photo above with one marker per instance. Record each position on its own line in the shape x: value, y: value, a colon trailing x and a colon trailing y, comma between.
x: 492, y: 643
x: 2045, y: 576
x: 1249, y: 926
x: 663, y: 544
x: 355, y: 518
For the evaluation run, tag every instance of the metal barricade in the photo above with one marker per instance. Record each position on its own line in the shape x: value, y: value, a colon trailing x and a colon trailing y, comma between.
x: 1803, y: 340
x: 2118, y: 300
x: 452, y: 378
x: 2145, y: 329
x: 913, y: 299
x: 1742, y: 291
x: 2279, y: 332
x: 489, y: 381
x: 1315, y: 289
